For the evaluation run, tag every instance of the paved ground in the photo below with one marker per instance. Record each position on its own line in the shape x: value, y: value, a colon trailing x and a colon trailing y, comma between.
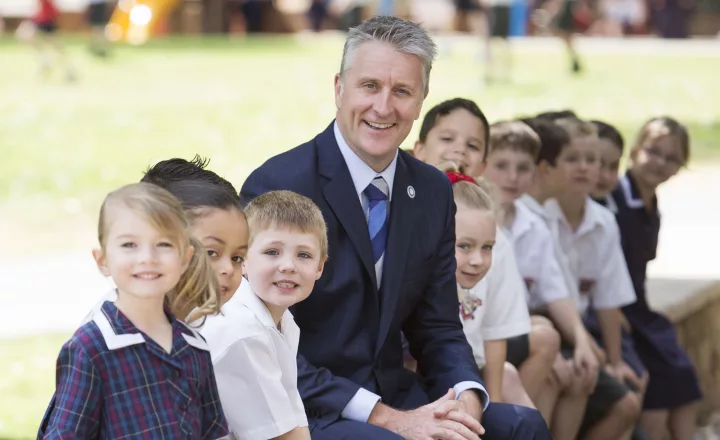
x: 57, y: 290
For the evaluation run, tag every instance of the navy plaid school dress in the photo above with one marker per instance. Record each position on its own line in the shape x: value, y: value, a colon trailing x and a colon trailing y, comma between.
x: 112, y: 382
x: 673, y: 380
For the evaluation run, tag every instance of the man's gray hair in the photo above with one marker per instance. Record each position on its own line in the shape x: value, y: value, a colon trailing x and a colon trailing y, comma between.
x: 405, y: 36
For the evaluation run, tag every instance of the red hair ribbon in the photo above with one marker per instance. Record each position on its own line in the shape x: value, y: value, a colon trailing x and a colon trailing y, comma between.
x: 455, y: 176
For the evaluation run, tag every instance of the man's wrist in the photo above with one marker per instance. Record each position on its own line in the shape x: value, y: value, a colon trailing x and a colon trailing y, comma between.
x: 381, y: 415
x: 473, y: 403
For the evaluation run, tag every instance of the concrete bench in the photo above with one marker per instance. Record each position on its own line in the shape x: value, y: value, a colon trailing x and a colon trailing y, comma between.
x: 693, y: 305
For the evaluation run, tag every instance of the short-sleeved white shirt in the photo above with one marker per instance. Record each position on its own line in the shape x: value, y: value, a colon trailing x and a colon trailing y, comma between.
x: 495, y: 307
x: 562, y: 259
x: 255, y: 367
x: 595, y: 257
x: 536, y: 258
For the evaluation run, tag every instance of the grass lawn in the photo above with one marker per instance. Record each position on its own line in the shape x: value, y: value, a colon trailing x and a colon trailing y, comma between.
x: 27, y: 383
x: 238, y: 102
x: 63, y: 147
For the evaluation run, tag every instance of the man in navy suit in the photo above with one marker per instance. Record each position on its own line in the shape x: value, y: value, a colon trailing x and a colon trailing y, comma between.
x: 391, y: 231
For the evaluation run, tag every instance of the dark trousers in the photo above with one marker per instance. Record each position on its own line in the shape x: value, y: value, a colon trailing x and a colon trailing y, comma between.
x: 501, y: 422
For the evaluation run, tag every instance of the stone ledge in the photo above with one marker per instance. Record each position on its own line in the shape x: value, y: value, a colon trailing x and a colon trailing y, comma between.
x: 694, y: 307
x: 680, y: 298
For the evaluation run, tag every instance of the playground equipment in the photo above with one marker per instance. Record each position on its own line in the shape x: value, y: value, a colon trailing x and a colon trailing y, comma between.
x: 135, y: 21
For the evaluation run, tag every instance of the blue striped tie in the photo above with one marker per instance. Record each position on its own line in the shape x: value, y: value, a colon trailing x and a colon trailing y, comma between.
x: 377, y: 194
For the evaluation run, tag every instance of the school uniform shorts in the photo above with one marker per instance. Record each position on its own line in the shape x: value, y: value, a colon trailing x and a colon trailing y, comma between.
x: 608, y: 392
x: 518, y: 349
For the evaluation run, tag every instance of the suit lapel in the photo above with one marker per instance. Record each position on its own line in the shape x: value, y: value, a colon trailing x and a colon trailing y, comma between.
x: 340, y: 194
x: 402, y: 214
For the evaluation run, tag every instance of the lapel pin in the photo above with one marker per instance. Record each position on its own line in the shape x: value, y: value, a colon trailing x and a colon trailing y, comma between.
x: 411, y: 192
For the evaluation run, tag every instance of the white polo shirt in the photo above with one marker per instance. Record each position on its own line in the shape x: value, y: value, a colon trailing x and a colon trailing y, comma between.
x: 536, y: 258
x: 495, y: 307
x: 255, y: 367
x: 536, y: 208
x: 595, y: 257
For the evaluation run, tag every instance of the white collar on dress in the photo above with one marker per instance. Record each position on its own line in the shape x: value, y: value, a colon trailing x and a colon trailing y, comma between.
x: 630, y: 200
x: 114, y: 340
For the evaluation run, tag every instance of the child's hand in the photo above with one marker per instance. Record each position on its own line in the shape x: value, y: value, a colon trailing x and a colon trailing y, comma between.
x: 587, y: 365
x: 562, y: 371
x: 623, y: 373
x: 599, y: 352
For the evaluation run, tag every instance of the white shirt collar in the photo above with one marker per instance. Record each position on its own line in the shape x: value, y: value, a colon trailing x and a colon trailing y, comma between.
x: 533, y: 205
x: 610, y: 204
x: 115, y: 341
x: 590, y: 220
x: 524, y: 219
x: 247, y: 296
x: 360, y: 172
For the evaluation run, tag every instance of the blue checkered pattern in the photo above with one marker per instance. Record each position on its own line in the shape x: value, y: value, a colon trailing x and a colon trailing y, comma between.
x: 377, y: 194
x: 137, y: 391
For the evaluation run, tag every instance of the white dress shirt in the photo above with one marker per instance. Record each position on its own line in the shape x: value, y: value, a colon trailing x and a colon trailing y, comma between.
x: 594, y: 255
x: 255, y: 367
x: 364, y: 401
x: 362, y: 175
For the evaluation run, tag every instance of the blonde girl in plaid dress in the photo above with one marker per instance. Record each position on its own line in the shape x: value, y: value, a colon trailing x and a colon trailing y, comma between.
x: 134, y: 370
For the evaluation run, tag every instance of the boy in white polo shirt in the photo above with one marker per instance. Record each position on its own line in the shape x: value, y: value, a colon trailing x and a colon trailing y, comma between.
x: 254, y: 340
x: 512, y: 151
x: 589, y: 243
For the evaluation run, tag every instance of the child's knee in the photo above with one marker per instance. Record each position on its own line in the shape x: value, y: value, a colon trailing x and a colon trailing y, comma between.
x: 627, y: 410
x: 538, y: 320
x: 511, y: 376
x: 576, y: 387
x: 544, y: 341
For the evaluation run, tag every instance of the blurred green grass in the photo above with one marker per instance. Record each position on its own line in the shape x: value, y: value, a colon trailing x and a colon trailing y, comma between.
x: 64, y: 146
x: 27, y: 383
x: 240, y: 101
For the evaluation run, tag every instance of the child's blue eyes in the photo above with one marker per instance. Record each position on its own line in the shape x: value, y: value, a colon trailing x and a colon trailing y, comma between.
x: 274, y: 252
x: 130, y: 245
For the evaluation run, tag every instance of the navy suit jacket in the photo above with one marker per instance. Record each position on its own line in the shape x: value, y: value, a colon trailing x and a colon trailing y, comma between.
x: 350, y: 331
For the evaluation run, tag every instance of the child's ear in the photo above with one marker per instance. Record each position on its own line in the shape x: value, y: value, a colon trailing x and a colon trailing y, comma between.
x: 418, y: 151
x: 321, y: 267
x: 633, y: 155
x: 542, y: 168
x: 99, y: 257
